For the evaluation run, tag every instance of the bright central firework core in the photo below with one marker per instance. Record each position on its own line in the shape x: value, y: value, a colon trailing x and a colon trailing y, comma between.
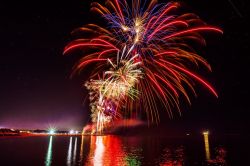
x: 142, y: 59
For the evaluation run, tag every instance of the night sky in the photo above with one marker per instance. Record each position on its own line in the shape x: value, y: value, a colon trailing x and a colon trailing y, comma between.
x: 36, y: 91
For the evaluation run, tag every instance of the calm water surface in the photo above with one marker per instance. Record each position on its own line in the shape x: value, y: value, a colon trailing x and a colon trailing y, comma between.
x: 122, y: 151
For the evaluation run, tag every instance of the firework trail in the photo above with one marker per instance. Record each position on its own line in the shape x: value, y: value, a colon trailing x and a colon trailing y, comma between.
x: 142, y: 58
x: 117, y: 84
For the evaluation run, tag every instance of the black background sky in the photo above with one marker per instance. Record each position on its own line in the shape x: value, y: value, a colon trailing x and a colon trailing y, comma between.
x: 35, y: 89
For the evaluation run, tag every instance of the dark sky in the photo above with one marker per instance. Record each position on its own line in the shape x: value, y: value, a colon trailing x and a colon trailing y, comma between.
x: 35, y: 89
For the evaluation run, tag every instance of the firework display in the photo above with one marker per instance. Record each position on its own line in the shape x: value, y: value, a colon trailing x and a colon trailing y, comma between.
x: 142, y: 58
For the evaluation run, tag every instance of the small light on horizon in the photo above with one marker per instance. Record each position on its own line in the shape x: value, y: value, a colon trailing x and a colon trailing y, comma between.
x: 71, y: 132
x: 52, y: 131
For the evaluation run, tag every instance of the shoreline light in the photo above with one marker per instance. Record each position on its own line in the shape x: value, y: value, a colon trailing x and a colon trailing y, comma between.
x: 71, y: 132
x: 52, y: 131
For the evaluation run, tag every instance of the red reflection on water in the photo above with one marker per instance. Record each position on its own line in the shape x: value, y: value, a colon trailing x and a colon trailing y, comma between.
x: 114, y: 152
x: 99, y: 150
x: 173, y: 157
x: 106, y: 150
x: 220, y: 158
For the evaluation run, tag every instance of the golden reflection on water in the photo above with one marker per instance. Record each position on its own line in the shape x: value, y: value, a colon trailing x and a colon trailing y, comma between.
x: 48, y: 159
x: 206, y: 141
x: 81, y: 149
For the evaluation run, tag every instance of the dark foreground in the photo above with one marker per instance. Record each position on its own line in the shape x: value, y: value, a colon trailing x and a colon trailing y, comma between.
x: 124, y: 150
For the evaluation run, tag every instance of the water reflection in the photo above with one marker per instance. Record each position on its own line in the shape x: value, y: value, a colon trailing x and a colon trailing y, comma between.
x: 82, y: 152
x: 206, y: 141
x: 220, y: 157
x: 220, y: 153
x: 99, y: 150
x: 105, y: 150
x: 48, y: 159
x: 71, y: 156
x: 132, y: 160
x: 69, y: 152
x: 75, y: 149
x: 81, y: 149
x: 115, y: 151
x: 130, y: 151
x: 172, y: 157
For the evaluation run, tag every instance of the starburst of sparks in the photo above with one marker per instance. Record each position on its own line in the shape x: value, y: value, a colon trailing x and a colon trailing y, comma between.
x: 142, y: 58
